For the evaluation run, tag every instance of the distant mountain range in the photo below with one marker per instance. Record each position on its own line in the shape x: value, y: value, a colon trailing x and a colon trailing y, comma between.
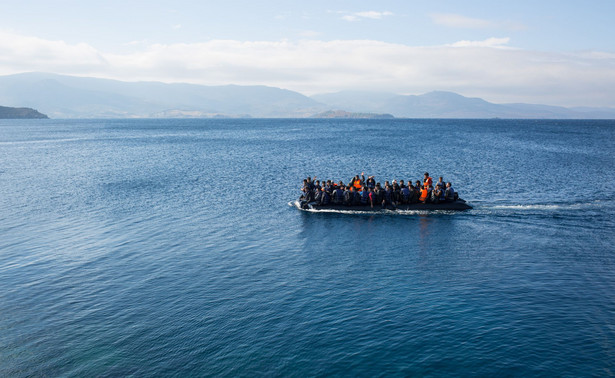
x: 62, y: 96
x: 452, y: 105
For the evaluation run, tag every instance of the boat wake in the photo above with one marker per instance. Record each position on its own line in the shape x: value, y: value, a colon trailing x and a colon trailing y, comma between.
x: 562, y: 206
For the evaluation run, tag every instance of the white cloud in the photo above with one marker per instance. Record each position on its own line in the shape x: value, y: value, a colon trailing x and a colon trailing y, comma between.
x: 374, y: 15
x: 310, y: 34
x: 459, y: 21
x: 489, y: 42
x: 452, y: 20
x: 479, y: 68
x: 33, y: 53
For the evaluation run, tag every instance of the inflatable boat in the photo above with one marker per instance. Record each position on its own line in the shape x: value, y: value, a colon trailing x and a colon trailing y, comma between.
x: 457, y: 205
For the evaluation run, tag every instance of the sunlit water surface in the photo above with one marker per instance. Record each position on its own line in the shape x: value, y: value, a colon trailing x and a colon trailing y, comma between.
x: 167, y: 247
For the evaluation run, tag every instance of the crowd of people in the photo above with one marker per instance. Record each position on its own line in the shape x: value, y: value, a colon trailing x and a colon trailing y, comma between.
x: 362, y: 192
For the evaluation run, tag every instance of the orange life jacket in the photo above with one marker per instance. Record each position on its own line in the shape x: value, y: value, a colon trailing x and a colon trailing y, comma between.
x: 424, y: 193
x: 357, y: 184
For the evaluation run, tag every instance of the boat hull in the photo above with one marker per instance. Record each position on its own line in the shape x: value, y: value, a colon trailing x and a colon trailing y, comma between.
x: 458, y: 205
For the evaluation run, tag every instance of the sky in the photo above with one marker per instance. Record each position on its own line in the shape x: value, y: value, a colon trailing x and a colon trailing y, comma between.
x: 545, y: 52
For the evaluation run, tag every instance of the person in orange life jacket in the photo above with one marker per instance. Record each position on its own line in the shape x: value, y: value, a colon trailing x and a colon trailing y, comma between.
x: 424, y: 194
x: 427, y: 180
x: 357, y: 182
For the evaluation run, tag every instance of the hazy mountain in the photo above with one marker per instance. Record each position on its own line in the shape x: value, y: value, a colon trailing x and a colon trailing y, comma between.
x: 19, y: 113
x: 450, y: 105
x: 75, y: 97
x: 62, y: 96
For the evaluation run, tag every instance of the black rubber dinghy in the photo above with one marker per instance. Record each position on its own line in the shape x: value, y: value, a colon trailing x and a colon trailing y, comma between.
x: 457, y: 205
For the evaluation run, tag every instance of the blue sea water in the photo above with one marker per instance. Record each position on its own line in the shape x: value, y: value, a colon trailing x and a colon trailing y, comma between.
x: 168, y: 248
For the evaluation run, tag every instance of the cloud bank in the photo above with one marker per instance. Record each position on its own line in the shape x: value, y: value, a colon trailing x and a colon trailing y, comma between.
x: 374, y: 15
x: 484, y: 69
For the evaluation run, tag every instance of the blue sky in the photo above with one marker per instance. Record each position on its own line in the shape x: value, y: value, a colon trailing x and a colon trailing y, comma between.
x: 553, y: 52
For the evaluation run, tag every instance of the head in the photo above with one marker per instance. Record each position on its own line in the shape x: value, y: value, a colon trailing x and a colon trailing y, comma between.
x: 448, y: 184
x: 426, y: 174
x: 440, y: 179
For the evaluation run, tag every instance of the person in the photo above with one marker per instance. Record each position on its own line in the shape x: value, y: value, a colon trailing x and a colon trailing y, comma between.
x: 371, y: 183
x: 357, y: 182
x: 437, y: 194
x: 364, y: 196
x: 310, y: 182
x: 387, y: 196
x: 441, y: 183
x: 449, y: 194
x: 417, y: 187
x: 326, y: 198
x: 396, y: 189
x: 356, y: 201
x: 414, y: 194
x: 424, y: 194
x: 328, y: 187
x: 308, y: 193
x: 427, y: 180
x: 317, y: 185
x: 372, y: 197
x: 338, y: 195
x: 404, y: 195
x: 378, y: 194
x: 348, y: 195
x: 318, y: 193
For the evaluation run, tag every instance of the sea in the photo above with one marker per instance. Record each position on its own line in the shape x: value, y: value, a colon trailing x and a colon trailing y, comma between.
x: 170, y: 247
